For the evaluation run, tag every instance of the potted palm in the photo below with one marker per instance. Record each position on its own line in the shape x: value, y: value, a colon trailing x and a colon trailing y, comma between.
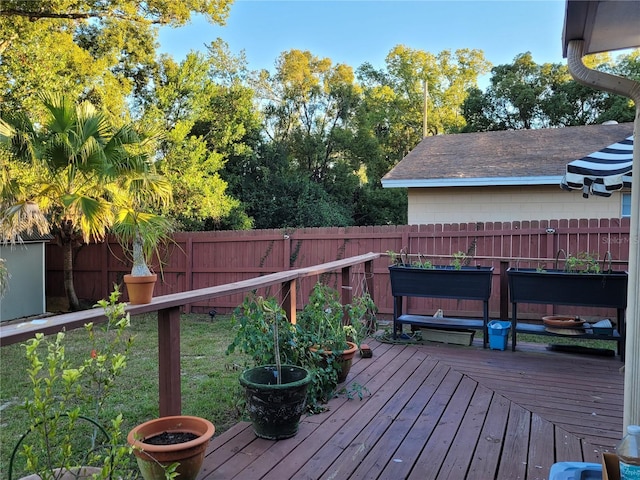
x: 141, y: 234
x: 139, y: 230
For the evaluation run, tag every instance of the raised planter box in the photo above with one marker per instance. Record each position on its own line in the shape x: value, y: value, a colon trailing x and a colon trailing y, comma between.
x: 466, y: 283
x: 528, y: 285
x: 557, y: 287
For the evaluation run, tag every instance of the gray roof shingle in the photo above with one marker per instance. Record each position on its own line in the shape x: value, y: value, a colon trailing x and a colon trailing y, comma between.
x: 501, y: 157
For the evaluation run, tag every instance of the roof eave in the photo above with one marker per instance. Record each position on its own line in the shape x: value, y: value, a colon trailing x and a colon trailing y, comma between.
x: 470, y: 182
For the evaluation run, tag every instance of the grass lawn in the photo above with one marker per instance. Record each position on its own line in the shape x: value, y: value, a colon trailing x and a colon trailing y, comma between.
x: 210, y: 387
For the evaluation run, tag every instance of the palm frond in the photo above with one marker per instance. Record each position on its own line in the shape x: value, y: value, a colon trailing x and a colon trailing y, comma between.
x: 22, y: 218
x: 62, y: 114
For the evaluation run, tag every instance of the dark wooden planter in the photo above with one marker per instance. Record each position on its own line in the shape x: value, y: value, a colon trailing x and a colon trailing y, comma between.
x: 528, y: 285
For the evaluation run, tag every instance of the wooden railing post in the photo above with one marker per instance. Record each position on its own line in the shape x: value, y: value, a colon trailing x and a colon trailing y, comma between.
x: 170, y: 395
x: 346, y: 291
x: 289, y: 300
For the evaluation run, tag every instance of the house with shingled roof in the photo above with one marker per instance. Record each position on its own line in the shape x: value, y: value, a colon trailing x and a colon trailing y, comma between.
x: 504, y: 176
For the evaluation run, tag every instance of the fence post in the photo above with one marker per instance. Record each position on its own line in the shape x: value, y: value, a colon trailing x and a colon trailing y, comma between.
x: 169, y: 362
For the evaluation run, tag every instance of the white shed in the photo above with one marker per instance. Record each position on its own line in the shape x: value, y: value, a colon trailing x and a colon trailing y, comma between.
x: 25, y: 295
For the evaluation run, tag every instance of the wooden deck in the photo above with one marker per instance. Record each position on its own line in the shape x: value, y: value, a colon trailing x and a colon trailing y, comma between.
x: 446, y: 412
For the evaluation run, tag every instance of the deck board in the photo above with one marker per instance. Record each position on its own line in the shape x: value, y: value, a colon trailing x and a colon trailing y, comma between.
x: 446, y: 412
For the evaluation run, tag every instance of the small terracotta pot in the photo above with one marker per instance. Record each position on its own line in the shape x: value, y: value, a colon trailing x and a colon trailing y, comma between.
x: 140, y: 288
x: 190, y: 455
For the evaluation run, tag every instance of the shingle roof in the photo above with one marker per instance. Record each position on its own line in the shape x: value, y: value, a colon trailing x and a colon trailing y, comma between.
x: 513, y: 157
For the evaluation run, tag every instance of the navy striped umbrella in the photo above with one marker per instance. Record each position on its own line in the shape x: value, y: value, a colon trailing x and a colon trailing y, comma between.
x: 601, y: 172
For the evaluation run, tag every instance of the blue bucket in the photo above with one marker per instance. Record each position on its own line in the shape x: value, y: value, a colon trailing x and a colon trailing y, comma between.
x: 498, y: 334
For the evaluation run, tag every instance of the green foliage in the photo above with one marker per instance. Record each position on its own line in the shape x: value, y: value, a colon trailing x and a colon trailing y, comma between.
x: 254, y: 323
x: 65, y: 408
x: 210, y: 124
x: 103, y: 50
x: 582, y: 262
x: 85, y: 169
x: 524, y: 94
x: 210, y: 387
x: 459, y: 259
x: 321, y: 320
x: 320, y: 324
x: 4, y: 277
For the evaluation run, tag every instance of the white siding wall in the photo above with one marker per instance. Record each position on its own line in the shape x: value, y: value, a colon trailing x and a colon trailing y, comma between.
x: 505, y: 204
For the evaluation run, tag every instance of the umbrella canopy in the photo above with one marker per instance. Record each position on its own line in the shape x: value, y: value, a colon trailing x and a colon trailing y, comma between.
x: 601, y: 172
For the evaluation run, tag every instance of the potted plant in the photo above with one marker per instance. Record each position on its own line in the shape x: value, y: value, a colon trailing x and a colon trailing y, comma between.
x: 141, y: 234
x: 171, y: 445
x: 140, y: 192
x: 276, y: 386
x: 328, y: 329
x: 68, y: 435
x: 420, y: 278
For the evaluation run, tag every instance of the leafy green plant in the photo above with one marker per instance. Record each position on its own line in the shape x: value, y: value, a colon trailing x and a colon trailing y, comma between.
x: 582, y: 262
x: 321, y: 320
x: 320, y: 324
x: 362, y: 318
x: 459, y: 259
x: 394, y: 257
x: 67, y: 399
x: 422, y: 263
x: 402, y: 258
x: 261, y: 324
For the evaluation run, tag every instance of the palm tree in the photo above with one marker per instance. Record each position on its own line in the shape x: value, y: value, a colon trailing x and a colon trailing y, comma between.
x: 80, y: 159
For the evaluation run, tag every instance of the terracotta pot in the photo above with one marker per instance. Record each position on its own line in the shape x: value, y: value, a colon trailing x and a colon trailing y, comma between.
x: 152, y: 458
x: 344, y: 360
x: 140, y: 288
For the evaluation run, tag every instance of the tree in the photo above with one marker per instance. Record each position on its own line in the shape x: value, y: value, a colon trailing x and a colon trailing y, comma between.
x: 98, y: 51
x: 77, y: 159
x: 527, y: 95
x: 309, y: 104
x: 210, y: 120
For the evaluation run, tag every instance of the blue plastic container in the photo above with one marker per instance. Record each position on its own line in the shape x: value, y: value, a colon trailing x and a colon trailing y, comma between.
x: 498, y: 334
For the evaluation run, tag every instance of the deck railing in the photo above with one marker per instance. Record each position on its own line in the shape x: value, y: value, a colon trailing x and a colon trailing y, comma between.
x: 169, y: 309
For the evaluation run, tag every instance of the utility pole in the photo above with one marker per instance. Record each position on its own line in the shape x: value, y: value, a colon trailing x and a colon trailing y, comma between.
x: 425, y: 118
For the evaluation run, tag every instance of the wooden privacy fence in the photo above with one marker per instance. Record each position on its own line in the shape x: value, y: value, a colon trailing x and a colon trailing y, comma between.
x: 204, y: 259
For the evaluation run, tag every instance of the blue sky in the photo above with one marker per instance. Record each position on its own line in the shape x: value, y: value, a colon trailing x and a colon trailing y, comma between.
x: 358, y: 31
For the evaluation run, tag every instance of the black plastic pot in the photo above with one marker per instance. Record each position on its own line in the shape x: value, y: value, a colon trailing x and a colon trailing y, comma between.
x: 275, y: 409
